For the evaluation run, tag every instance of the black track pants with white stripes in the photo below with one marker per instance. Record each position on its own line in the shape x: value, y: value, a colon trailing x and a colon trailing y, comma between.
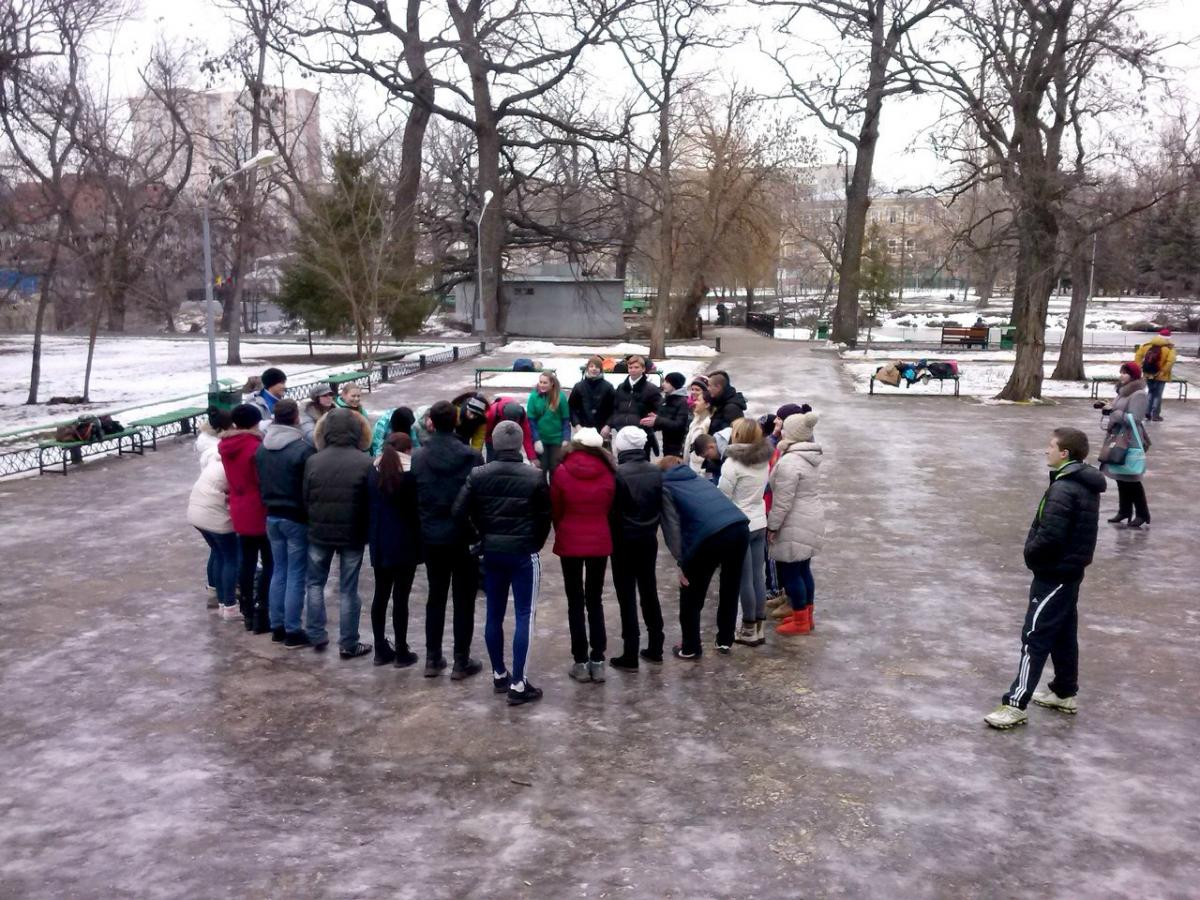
x: 1051, y: 626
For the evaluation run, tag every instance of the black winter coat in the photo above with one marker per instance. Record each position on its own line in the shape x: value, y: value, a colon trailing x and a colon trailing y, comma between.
x: 335, y: 484
x: 637, y: 503
x: 591, y: 403
x: 731, y: 405
x: 440, y: 467
x: 632, y: 404
x: 395, y: 532
x: 507, y: 503
x: 280, y: 460
x: 673, y: 419
x: 1062, y: 538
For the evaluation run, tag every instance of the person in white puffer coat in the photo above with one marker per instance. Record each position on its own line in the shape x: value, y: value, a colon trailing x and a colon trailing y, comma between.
x: 208, y: 513
x: 744, y: 480
x: 796, y: 523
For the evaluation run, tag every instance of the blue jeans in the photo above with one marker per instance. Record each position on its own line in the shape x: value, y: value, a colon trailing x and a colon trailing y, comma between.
x: 1155, y: 389
x: 320, y: 558
x: 223, y: 560
x: 289, y: 553
x: 523, y: 573
x: 754, y: 575
x: 797, y: 581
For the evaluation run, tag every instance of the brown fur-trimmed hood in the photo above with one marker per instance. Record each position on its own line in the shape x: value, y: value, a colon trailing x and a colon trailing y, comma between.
x: 750, y: 454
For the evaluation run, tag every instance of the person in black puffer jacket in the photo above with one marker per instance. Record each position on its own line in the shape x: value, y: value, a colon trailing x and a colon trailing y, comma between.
x: 636, y: 513
x: 507, y: 503
x: 1059, y: 547
x: 440, y: 467
x: 280, y: 460
x: 636, y: 403
x: 592, y: 398
x: 673, y: 415
x: 335, y: 494
x: 728, y: 405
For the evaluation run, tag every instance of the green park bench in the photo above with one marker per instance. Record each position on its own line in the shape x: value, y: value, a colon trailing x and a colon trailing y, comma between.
x: 634, y: 305
x: 938, y: 378
x: 485, y: 370
x: 75, y: 451
x: 337, y: 381
x: 184, y: 418
x: 1098, y: 380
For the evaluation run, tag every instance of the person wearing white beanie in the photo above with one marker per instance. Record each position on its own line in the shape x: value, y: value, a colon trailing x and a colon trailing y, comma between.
x: 796, y: 522
x: 636, y: 513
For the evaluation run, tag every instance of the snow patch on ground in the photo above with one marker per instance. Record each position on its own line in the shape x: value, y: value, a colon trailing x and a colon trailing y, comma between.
x: 548, y: 348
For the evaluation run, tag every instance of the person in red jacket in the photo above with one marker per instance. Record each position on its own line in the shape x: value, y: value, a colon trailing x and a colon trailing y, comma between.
x: 581, y: 495
x: 248, y: 513
x: 513, y: 410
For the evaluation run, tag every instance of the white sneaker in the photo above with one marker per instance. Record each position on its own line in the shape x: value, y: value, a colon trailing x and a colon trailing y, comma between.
x: 747, y: 634
x: 1051, y: 700
x: 1005, y: 716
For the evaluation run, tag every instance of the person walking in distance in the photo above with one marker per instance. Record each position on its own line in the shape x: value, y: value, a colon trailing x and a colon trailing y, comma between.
x: 249, y: 516
x: 636, y: 515
x: 550, y: 419
x: 1126, y: 428
x: 335, y: 494
x: 796, y: 522
x: 581, y: 495
x: 281, y: 459
x: 1059, y: 547
x: 507, y: 503
x: 395, y: 542
x: 440, y: 468
x: 636, y: 402
x: 704, y: 530
x: 1156, y: 358
x: 744, y: 480
x: 592, y: 398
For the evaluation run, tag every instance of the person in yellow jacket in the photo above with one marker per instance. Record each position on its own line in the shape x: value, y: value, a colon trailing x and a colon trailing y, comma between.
x: 1156, y: 357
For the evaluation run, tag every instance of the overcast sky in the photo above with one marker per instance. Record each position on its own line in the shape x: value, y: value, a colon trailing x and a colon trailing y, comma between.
x: 903, y: 158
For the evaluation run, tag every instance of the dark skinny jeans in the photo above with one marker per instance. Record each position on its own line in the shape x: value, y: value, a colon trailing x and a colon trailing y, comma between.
x: 396, y: 582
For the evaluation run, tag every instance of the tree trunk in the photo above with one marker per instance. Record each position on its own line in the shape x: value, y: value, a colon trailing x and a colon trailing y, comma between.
x: 666, y: 226
x: 1070, y: 354
x: 749, y: 300
x: 491, y: 230
x: 116, y: 312
x: 684, y: 325
x: 39, y: 322
x: 1037, y: 230
x: 91, y: 349
x: 412, y: 144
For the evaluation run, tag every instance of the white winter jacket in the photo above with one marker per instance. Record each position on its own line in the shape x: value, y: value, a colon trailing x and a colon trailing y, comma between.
x: 208, y: 504
x: 697, y: 427
x: 206, y: 442
x: 797, y: 516
x: 744, y: 479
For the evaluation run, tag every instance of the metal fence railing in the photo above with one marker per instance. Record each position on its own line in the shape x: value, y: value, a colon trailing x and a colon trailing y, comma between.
x: 761, y: 323
x: 26, y: 458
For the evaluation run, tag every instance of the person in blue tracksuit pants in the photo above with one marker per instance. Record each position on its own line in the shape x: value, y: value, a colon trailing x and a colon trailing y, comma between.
x: 507, y: 503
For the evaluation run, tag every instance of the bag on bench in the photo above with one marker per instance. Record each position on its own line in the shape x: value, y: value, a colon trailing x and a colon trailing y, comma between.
x: 888, y: 374
x: 947, y: 369
x: 109, y: 425
x: 84, y: 428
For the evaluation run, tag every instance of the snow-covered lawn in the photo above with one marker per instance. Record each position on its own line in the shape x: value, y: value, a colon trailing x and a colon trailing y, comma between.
x: 981, y: 373
x: 536, y: 349
x: 150, y: 375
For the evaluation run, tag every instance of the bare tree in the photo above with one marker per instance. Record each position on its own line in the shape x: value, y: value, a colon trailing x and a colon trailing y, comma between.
x: 846, y: 91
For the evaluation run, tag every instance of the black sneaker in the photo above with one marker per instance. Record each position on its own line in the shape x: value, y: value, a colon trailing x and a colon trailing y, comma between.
x: 465, y: 669
x: 723, y: 649
x: 625, y: 663
x: 677, y: 652
x: 384, y: 654
x: 359, y: 649
x: 652, y: 657
x: 530, y: 694
x: 433, y: 667
x: 278, y: 635
x: 502, y: 684
x: 321, y: 645
x: 249, y: 623
x: 294, y: 640
x: 405, y: 658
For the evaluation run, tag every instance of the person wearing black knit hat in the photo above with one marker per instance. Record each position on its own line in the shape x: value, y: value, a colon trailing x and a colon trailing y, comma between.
x: 673, y: 415
x: 274, y: 384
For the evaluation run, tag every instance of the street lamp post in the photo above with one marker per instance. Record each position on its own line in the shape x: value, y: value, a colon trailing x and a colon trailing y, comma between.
x: 487, y: 198
x: 262, y: 159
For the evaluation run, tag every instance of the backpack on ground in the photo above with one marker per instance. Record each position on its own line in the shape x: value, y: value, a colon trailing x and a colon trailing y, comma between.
x: 1152, y: 361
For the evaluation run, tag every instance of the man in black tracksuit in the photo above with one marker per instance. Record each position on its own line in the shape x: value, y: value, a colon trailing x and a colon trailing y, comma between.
x: 636, y: 512
x: 440, y: 467
x: 1060, y: 545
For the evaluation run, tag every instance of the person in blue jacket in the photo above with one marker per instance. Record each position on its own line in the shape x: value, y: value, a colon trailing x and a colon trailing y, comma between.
x: 704, y: 530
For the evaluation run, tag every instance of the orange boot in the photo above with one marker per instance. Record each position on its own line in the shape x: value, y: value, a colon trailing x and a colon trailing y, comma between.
x: 797, y: 623
x: 808, y: 617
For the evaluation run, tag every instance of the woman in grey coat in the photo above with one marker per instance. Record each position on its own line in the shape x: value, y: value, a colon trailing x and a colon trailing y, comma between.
x: 1128, y: 411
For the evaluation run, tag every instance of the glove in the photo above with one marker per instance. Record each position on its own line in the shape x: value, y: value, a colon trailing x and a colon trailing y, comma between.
x: 538, y: 448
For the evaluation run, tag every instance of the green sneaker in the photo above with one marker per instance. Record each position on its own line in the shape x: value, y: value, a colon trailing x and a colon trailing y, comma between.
x: 1004, y: 716
x: 1051, y: 700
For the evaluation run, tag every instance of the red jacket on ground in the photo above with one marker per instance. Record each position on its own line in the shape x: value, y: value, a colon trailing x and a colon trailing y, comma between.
x: 245, y: 503
x: 493, y: 419
x: 581, y: 495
